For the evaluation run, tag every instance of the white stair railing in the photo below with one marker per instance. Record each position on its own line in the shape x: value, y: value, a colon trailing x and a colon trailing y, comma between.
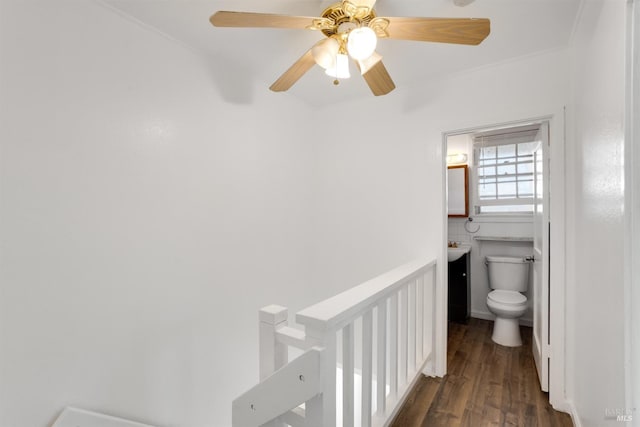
x: 368, y: 345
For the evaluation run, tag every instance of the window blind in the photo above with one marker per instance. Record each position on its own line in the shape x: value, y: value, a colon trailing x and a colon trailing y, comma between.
x: 504, y: 170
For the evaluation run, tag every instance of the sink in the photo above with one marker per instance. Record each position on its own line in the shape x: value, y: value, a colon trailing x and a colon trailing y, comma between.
x: 455, y: 253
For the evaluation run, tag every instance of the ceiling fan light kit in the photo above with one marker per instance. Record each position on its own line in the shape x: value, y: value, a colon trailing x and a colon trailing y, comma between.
x: 352, y: 28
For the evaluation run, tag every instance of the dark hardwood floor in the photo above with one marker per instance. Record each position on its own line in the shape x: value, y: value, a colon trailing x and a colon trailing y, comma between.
x: 486, y: 385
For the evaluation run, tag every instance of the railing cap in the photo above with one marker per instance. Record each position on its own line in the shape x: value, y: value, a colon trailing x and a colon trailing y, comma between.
x: 332, y: 313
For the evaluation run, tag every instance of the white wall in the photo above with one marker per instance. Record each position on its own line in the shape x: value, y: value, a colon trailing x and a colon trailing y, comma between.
x: 595, y: 313
x: 144, y: 220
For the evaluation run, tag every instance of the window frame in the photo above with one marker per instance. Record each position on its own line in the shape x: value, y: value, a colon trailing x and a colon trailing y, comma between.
x: 511, y: 136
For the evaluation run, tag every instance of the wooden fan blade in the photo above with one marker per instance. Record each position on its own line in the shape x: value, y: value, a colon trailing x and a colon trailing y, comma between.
x: 259, y: 20
x: 379, y: 80
x: 293, y: 74
x: 441, y: 30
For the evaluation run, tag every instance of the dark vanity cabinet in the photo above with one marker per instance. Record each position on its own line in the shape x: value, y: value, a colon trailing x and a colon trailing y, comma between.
x: 459, y: 289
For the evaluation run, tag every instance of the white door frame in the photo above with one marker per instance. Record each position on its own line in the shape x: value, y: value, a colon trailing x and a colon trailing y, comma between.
x: 557, y: 273
x: 540, y: 285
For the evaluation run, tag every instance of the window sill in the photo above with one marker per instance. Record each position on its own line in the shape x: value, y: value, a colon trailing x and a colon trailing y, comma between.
x: 503, y: 239
x: 525, y: 218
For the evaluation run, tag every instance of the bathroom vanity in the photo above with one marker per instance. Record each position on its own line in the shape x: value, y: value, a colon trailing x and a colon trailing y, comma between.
x: 459, y: 289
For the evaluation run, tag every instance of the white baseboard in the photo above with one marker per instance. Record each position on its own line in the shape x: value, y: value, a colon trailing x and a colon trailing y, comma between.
x: 485, y: 315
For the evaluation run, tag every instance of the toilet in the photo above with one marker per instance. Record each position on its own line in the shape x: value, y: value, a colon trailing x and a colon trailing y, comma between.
x: 508, y: 277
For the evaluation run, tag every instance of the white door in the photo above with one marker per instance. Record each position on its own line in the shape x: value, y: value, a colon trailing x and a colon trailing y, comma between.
x: 540, y: 343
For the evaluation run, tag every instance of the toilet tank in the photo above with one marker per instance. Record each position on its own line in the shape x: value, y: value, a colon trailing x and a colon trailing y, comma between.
x: 508, y: 273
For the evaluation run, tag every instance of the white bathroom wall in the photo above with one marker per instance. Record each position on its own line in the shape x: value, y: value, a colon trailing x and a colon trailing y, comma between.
x: 144, y: 219
x: 460, y: 144
x: 595, y: 207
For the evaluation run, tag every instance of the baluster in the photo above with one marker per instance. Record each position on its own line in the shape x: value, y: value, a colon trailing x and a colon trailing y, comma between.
x: 411, y: 329
x: 433, y: 318
x: 367, y: 353
x: 434, y: 321
x: 402, y: 356
x: 420, y: 319
x: 429, y: 314
x: 347, y: 376
x: 381, y: 373
x: 429, y: 278
x: 393, y: 346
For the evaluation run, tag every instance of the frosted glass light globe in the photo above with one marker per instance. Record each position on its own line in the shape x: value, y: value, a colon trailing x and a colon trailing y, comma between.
x: 324, y: 52
x: 361, y: 43
x: 341, y: 70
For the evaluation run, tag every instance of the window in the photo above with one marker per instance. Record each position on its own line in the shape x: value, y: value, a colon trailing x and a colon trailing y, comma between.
x: 504, y: 170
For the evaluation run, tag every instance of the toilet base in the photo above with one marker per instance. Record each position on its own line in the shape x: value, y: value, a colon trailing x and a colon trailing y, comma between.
x: 506, y: 332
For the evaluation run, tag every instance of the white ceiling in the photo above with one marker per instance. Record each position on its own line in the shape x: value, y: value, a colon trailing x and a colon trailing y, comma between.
x: 245, y: 60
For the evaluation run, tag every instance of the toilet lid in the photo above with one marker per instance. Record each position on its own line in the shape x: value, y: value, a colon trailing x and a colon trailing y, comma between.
x: 507, y: 297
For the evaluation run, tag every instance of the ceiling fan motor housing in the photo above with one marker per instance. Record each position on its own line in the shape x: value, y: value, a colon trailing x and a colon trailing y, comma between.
x: 343, y: 23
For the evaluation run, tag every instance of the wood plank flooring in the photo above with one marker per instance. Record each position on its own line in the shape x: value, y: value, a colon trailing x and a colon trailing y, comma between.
x: 486, y: 385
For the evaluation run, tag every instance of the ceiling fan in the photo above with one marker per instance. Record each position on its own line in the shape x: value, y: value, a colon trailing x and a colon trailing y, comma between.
x: 351, y: 29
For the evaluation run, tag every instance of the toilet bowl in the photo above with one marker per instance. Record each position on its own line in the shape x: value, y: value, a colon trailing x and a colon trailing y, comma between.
x: 508, y: 306
x: 508, y: 277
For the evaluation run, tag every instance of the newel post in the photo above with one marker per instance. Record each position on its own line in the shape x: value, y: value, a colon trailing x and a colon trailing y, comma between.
x: 273, y: 355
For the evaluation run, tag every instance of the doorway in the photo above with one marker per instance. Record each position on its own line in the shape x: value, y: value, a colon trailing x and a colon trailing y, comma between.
x: 506, y: 215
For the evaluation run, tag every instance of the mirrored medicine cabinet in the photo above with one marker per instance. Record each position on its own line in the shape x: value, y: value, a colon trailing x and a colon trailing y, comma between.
x: 458, y: 193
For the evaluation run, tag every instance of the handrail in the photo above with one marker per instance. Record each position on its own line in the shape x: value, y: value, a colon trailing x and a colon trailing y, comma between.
x: 388, y: 321
x: 335, y: 312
